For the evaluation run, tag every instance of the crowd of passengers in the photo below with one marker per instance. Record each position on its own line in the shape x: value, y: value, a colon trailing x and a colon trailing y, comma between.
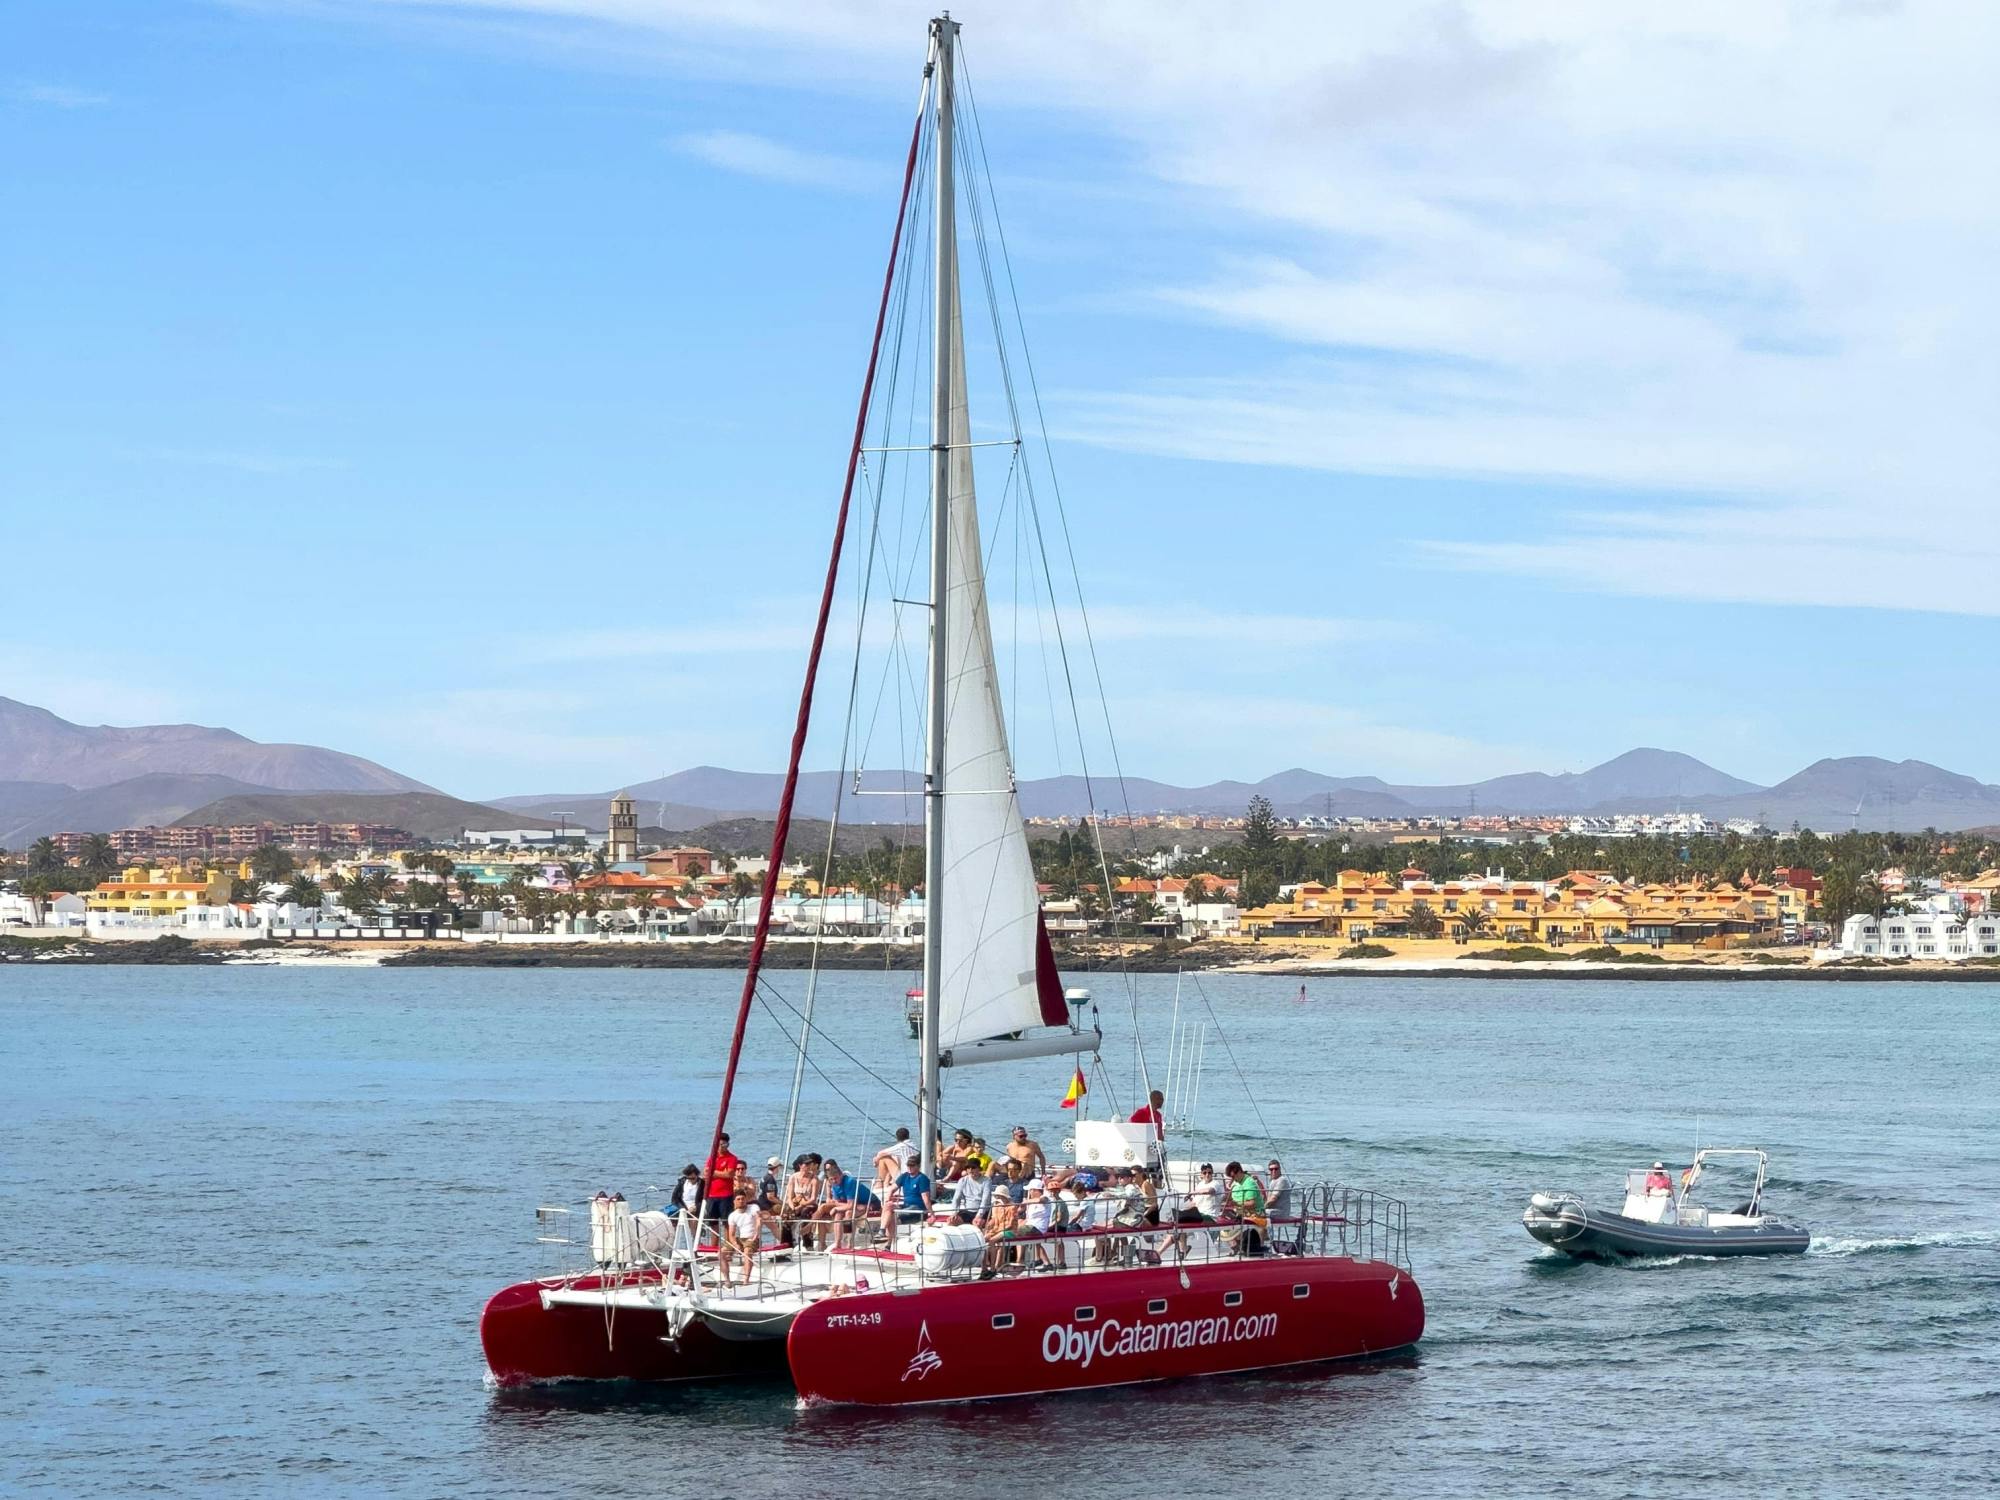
x: 1029, y: 1211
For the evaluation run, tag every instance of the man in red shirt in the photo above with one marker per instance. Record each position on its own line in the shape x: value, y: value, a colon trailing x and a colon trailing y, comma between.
x: 723, y: 1169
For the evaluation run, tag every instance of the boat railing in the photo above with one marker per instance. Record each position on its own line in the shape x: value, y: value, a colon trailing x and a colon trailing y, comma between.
x: 1337, y: 1219
x: 1330, y: 1219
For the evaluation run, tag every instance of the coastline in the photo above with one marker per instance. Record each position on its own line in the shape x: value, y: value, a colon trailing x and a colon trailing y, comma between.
x: 902, y: 962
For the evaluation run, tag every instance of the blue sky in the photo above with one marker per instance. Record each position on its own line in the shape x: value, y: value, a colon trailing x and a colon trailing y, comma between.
x: 1435, y: 394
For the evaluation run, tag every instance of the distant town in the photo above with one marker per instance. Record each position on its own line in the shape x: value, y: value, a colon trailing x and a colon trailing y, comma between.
x: 1351, y: 887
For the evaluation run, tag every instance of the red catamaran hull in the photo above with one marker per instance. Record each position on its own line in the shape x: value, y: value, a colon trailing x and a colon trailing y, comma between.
x: 526, y: 1341
x: 1074, y: 1332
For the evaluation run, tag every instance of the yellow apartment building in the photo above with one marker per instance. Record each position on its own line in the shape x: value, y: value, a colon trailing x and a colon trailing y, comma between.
x: 1359, y: 905
x: 158, y: 893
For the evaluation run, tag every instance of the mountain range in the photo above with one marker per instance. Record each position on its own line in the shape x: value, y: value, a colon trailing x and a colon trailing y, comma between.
x: 56, y: 776
x: 1827, y: 795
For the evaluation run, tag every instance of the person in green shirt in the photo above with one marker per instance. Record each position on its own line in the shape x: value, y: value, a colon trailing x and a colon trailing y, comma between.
x: 1246, y: 1200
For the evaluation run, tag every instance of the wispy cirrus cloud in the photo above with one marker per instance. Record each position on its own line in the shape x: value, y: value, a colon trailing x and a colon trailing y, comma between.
x: 774, y: 161
x: 54, y: 95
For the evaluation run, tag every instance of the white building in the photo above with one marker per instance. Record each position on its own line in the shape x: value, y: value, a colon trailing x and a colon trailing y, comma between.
x: 1210, y: 919
x: 1921, y: 934
x: 62, y: 909
x: 528, y: 838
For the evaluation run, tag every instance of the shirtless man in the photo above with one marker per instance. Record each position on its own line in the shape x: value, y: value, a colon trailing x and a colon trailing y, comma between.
x: 1027, y: 1153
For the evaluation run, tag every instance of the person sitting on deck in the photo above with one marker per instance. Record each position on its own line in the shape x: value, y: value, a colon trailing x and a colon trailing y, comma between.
x: 799, y: 1206
x: 913, y: 1203
x: 972, y: 1197
x: 1277, y: 1192
x: 741, y: 1232
x: 1012, y: 1181
x: 1038, y: 1216
x: 979, y: 1159
x: 1149, y: 1192
x: 894, y: 1159
x: 1246, y: 1202
x: 845, y: 1199
x: 1205, y: 1196
x: 1071, y: 1212
x: 1657, y: 1180
x: 953, y: 1156
x: 1002, y: 1229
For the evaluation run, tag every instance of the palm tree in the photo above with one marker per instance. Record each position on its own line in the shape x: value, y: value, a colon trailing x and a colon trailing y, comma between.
x: 270, y: 864
x: 303, y: 891
x: 361, y: 894
x: 97, y: 857
x: 37, y: 889
x: 468, y: 887
x: 43, y: 856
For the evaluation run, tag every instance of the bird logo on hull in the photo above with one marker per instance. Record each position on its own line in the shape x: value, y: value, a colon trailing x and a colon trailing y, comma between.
x: 1394, y: 1282
x: 926, y: 1358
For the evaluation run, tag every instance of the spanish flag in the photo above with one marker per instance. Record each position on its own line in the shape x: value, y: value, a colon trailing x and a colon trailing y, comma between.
x: 1077, y: 1089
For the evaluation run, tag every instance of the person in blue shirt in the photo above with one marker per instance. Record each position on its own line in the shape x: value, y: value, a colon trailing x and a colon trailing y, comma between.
x: 913, y: 1199
x: 847, y: 1199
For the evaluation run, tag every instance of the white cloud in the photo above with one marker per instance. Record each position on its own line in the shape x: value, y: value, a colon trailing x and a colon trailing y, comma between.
x: 758, y: 156
x: 1944, y: 567
x: 56, y: 95
x: 1739, y: 251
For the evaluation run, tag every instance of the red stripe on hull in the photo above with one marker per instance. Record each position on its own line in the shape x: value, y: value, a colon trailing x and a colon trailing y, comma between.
x: 940, y: 1344
x: 526, y: 1341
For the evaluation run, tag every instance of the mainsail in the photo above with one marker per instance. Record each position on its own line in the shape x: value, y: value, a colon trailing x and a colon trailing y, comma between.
x: 997, y: 974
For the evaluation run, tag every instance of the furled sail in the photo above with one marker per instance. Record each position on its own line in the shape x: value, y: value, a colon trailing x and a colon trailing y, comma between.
x: 998, y: 974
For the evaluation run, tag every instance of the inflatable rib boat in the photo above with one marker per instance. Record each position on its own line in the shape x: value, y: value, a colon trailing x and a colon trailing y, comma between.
x: 1660, y: 1217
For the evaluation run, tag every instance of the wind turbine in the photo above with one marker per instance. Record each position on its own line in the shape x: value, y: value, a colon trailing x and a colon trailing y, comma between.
x: 1855, y: 827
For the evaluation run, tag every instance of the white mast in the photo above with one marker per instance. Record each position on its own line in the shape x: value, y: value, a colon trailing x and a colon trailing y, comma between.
x: 944, y: 33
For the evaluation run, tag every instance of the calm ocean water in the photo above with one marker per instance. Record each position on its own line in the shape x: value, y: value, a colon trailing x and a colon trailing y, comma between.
x: 250, y: 1216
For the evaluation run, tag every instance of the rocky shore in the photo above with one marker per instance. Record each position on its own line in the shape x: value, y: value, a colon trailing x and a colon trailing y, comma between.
x: 1302, y: 961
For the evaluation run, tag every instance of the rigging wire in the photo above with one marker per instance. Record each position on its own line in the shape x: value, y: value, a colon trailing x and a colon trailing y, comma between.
x: 864, y: 585
x: 1243, y: 1078
x: 973, y: 179
x: 781, y: 826
x: 767, y: 991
